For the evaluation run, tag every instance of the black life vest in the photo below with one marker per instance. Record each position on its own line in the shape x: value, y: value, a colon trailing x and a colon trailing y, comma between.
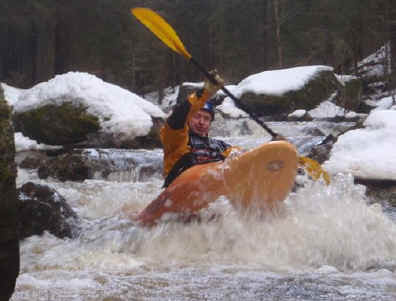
x: 203, y: 150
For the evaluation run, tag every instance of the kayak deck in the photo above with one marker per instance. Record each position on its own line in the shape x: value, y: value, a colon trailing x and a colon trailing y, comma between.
x: 255, y: 180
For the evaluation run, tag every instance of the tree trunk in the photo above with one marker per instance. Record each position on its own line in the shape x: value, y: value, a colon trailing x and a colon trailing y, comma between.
x: 392, y: 38
x: 276, y: 6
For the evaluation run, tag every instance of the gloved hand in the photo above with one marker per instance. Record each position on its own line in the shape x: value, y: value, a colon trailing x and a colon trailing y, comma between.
x: 278, y: 138
x: 217, y: 99
x: 212, y: 88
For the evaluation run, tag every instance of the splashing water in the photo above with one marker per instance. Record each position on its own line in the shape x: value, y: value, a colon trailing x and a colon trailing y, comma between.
x: 327, y: 241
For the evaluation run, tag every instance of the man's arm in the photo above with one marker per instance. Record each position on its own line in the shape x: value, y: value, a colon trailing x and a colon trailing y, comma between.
x: 182, y: 111
x: 174, y: 134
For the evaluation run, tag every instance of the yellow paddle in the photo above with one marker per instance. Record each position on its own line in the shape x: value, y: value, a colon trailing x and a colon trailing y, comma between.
x: 169, y: 37
x: 162, y: 30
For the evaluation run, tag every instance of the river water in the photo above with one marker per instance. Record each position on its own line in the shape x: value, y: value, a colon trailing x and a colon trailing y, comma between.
x: 328, y: 243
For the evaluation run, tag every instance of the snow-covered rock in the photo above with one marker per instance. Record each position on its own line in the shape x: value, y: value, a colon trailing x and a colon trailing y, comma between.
x: 280, y: 92
x: 79, y: 107
x: 367, y: 153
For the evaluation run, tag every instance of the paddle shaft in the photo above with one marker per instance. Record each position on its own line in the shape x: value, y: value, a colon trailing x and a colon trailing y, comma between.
x: 237, y: 102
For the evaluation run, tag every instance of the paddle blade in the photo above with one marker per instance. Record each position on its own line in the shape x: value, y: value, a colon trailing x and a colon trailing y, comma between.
x: 314, y: 169
x: 161, y: 29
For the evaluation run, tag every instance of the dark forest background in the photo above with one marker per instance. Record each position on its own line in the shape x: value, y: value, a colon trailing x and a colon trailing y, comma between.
x: 42, y: 38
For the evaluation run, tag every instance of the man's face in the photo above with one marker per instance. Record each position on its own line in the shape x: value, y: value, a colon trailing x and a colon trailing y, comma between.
x: 200, y: 122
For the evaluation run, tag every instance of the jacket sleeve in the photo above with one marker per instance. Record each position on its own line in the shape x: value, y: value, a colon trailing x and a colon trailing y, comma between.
x: 174, y: 134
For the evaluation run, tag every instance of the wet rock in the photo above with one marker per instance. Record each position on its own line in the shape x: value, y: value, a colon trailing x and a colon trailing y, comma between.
x: 30, y: 163
x: 139, y: 165
x: 147, y: 172
x: 44, y: 209
x: 43, y: 172
x: 82, y: 164
x: 379, y: 190
x: 299, y: 115
x: 67, y: 167
x: 321, y: 151
x: 392, y: 199
x: 313, y: 131
x: 350, y: 98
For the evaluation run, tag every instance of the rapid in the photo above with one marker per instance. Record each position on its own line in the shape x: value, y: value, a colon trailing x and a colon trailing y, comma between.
x: 327, y: 243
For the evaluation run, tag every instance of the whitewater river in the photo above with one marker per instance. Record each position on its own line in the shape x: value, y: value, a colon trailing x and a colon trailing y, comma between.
x: 328, y: 243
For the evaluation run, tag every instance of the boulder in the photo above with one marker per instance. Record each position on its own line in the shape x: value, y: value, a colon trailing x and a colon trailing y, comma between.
x: 57, y: 124
x: 261, y: 100
x: 82, y: 164
x: 44, y: 209
x: 66, y: 167
x: 73, y: 126
x: 382, y: 191
x: 349, y: 96
x: 80, y: 110
x: 321, y: 151
x: 299, y: 115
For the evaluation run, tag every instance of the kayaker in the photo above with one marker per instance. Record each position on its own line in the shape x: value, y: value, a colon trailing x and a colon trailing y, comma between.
x: 185, y: 134
x: 186, y: 143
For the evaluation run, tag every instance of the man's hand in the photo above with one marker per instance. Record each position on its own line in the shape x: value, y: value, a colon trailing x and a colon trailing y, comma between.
x: 217, y: 99
x: 278, y: 137
x: 212, y: 88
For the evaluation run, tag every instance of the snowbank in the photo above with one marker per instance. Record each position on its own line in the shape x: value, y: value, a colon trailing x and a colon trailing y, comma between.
x: 367, y: 153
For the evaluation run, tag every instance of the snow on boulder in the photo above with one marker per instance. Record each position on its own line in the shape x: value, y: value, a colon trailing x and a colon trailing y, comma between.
x: 367, y: 153
x: 80, y: 108
x: 11, y: 94
x: 299, y: 115
x: 286, y: 90
x: 327, y: 110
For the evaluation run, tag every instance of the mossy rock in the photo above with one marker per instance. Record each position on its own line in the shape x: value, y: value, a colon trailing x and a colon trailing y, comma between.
x: 7, y: 146
x: 351, y: 95
x: 57, y: 125
x: 150, y: 141
x: 318, y: 89
x: 67, y: 167
x: 8, y: 172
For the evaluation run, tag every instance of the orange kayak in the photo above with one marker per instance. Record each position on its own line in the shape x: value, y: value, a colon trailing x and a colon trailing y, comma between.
x: 255, y: 180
